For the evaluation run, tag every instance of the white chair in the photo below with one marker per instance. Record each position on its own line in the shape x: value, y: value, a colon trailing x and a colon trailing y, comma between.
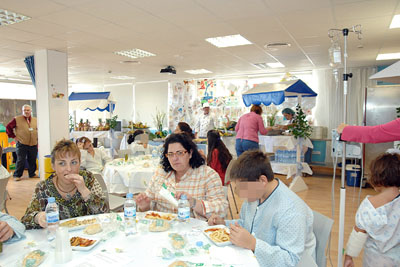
x: 115, y: 203
x: 228, y: 183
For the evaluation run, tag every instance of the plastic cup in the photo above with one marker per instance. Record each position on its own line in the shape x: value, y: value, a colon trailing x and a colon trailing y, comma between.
x: 63, y: 251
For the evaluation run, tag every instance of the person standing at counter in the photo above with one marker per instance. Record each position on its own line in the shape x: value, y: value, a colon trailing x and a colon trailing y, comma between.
x: 24, y: 130
x: 289, y: 115
x: 247, y: 129
x: 205, y: 122
x: 77, y: 193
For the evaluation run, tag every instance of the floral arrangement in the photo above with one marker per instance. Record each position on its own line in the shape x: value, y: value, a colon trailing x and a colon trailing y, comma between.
x: 300, y: 127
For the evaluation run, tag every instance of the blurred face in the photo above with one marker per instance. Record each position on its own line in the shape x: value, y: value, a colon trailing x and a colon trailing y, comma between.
x: 178, y: 157
x: 177, y: 130
x: 206, y: 110
x: 251, y: 191
x: 88, y: 145
x: 66, y: 164
x: 26, y: 111
x: 288, y: 116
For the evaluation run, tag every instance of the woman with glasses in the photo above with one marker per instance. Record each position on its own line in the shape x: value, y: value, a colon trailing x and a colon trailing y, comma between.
x: 77, y: 193
x: 183, y: 171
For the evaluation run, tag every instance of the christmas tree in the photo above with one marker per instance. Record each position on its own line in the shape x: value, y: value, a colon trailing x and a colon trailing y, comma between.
x: 300, y: 127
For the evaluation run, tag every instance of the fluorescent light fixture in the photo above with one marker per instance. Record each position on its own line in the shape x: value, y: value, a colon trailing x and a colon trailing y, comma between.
x: 199, y: 71
x: 395, y: 22
x: 122, y: 77
x: 275, y: 65
x: 261, y: 66
x: 9, y: 17
x: 227, y: 41
x: 388, y: 56
x: 135, y: 53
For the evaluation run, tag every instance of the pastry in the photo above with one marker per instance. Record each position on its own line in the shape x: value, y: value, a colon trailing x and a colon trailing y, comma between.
x: 81, y: 242
x: 178, y: 242
x: 178, y: 264
x: 93, y: 229
x: 159, y: 226
x: 33, y: 259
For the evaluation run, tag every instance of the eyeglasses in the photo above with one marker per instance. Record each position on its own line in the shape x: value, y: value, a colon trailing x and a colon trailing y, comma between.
x: 177, y: 153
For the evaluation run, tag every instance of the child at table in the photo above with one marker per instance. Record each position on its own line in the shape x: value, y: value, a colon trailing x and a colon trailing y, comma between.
x: 377, y: 226
x: 274, y: 222
x: 218, y: 156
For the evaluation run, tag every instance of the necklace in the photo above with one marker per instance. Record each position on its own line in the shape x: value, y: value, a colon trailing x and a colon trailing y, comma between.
x: 68, y: 196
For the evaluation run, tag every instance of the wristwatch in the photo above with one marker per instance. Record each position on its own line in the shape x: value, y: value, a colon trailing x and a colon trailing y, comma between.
x: 194, y: 204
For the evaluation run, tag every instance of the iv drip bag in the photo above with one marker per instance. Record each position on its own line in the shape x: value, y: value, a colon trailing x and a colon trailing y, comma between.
x: 335, y: 55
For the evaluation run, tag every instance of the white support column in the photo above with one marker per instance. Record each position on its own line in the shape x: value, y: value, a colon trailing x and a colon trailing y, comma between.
x: 51, y: 101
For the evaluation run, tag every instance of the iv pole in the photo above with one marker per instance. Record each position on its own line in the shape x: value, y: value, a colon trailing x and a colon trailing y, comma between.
x: 346, y: 77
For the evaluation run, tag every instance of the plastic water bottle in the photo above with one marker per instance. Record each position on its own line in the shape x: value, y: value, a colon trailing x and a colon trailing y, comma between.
x: 154, y: 153
x: 130, y: 215
x: 278, y: 156
x: 183, y: 209
x: 52, y: 218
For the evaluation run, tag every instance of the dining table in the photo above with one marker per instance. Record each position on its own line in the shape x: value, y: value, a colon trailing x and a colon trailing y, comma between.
x: 113, y: 248
x: 130, y: 176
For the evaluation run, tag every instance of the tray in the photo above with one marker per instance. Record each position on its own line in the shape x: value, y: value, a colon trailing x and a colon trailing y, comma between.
x: 207, y: 234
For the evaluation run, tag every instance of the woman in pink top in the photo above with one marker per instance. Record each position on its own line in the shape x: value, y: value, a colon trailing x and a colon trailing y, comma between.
x: 247, y: 130
x: 388, y: 132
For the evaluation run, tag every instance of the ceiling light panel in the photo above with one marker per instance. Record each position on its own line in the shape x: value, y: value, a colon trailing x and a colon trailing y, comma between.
x: 395, y: 22
x: 135, y: 53
x: 228, y: 41
x: 261, y: 66
x: 199, y: 71
x: 388, y: 56
x: 275, y: 65
x: 9, y: 17
x: 122, y: 78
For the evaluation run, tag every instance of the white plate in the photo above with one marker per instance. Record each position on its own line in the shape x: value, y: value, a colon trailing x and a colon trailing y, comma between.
x: 86, y: 248
x: 207, y: 234
x: 173, y: 216
x: 79, y: 227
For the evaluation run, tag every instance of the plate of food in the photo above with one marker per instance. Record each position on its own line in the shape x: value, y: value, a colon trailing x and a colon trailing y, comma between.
x: 82, y: 243
x: 155, y: 215
x: 218, y: 234
x: 77, y: 224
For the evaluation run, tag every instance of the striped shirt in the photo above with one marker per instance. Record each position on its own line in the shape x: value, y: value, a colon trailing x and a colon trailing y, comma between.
x: 202, y: 183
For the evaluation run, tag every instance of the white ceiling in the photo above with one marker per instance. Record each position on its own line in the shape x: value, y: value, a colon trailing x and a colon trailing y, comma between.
x: 175, y: 30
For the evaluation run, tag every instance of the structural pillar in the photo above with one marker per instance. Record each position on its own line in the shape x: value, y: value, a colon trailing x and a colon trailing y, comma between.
x: 51, y: 101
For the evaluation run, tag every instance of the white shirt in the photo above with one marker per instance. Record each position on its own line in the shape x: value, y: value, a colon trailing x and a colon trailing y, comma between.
x: 94, y: 164
x: 204, y: 124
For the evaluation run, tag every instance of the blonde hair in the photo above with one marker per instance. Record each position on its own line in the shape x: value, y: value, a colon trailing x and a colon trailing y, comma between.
x: 64, y: 147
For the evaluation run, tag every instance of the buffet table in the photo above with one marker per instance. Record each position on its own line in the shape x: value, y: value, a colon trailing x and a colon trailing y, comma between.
x: 131, y: 176
x: 143, y: 249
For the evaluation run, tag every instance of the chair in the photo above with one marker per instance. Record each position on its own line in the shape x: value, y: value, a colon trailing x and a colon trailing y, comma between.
x: 3, y: 194
x: 115, y: 203
x: 228, y: 183
x: 322, y: 227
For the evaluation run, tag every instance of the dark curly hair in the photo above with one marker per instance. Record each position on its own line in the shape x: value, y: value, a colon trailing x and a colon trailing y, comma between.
x: 195, y: 161
x: 385, y: 170
x: 132, y: 137
x: 215, y: 142
x: 185, y: 128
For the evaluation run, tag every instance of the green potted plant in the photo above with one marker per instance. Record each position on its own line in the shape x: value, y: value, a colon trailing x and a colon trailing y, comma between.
x: 300, y: 127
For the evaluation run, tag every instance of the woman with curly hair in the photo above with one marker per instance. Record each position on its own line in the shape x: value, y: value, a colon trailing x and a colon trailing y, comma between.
x: 183, y: 171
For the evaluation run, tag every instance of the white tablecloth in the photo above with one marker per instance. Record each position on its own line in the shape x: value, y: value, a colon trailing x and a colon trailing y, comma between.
x: 288, y: 142
x: 290, y: 168
x: 133, y: 176
x: 141, y: 249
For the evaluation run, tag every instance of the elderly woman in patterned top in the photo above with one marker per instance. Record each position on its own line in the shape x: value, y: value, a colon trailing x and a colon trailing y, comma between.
x: 77, y: 193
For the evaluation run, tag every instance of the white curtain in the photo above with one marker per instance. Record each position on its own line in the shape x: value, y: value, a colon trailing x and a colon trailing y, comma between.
x: 329, y: 86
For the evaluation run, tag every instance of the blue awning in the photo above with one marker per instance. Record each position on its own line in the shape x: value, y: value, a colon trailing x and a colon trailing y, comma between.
x: 275, y: 93
x: 101, y: 101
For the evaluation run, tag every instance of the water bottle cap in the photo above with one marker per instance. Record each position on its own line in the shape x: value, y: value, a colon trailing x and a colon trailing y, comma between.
x: 183, y: 197
x: 199, y: 243
x: 129, y: 195
x: 51, y: 199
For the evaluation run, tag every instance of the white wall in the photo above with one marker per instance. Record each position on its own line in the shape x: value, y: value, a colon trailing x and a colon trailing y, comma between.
x: 123, y: 95
x: 148, y: 98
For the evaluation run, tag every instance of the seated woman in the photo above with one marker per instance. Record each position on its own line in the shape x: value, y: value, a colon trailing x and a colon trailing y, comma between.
x: 183, y: 171
x: 218, y: 156
x: 11, y: 229
x: 92, y: 159
x: 77, y: 193
x: 183, y: 127
x: 138, y: 143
